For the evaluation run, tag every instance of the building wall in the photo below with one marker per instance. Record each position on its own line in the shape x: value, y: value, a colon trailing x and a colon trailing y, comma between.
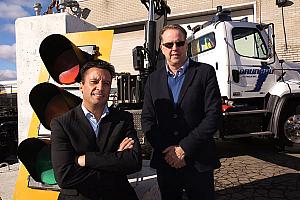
x: 108, y: 12
x: 105, y: 13
x: 181, y: 6
x: 270, y: 12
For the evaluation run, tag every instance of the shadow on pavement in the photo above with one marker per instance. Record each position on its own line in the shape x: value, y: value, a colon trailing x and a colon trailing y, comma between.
x: 282, y: 187
x: 260, y: 148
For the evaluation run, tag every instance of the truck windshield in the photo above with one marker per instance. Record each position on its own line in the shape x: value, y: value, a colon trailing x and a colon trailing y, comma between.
x: 249, y: 43
x: 202, y: 44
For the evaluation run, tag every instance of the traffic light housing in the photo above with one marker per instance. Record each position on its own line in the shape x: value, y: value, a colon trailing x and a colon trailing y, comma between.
x: 35, y: 154
x: 63, y: 61
x: 49, y: 101
x: 62, y: 58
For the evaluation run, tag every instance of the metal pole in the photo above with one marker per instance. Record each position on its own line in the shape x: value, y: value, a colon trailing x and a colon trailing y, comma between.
x: 151, y: 36
x: 285, y: 40
x: 151, y: 10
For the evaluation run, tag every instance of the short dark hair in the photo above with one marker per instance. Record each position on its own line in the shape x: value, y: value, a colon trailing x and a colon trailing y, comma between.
x: 172, y: 26
x: 100, y: 64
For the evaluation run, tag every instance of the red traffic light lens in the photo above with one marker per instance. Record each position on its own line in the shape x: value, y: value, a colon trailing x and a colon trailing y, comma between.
x: 69, y: 77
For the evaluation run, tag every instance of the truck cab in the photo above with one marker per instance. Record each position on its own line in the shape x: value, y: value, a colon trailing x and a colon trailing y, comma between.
x: 239, y: 53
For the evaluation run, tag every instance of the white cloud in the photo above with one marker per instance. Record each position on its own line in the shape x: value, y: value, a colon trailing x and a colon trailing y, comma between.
x: 12, y: 11
x: 20, y: 8
x: 8, y: 28
x: 28, y: 3
x: 8, y: 75
x: 23, y: 3
x: 8, y: 53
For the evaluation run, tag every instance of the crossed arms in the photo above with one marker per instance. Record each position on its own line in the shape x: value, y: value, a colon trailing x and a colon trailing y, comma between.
x: 75, y: 164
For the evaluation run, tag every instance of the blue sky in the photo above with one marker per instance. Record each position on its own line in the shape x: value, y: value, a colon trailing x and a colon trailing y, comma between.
x: 10, y: 10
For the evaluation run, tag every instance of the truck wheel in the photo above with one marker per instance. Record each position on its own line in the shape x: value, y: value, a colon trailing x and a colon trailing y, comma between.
x: 289, y: 124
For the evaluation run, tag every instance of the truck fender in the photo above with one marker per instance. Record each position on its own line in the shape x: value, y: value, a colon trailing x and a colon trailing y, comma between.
x: 279, y: 89
x: 283, y: 88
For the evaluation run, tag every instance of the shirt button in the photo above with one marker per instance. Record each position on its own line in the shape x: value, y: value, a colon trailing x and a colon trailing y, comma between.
x: 175, y: 116
x: 176, y: 133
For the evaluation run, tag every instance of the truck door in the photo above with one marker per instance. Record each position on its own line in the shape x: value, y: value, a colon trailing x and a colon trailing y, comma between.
x: 208, y: 46
x: 250, y: 73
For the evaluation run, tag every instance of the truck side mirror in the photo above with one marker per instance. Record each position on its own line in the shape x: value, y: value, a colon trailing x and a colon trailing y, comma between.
x: 235, y: 75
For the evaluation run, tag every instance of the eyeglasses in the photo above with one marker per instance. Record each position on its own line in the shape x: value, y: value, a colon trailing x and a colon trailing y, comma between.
x: 170, y: 45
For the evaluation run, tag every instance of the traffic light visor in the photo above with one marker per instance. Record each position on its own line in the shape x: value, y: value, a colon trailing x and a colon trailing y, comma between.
x: 62, y: 58
x: 49, y: 101
x: 35, y: 154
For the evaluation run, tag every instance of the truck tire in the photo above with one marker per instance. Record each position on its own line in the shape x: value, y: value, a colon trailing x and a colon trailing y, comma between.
x: 289, y: 124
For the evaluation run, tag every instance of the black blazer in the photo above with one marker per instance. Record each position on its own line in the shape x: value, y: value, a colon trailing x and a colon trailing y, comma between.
x: 191, y: 123
x: 104, y: 176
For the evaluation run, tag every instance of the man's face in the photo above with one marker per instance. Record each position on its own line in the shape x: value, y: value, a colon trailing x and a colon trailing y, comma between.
x: 175, y: 55
x: 95, y: 87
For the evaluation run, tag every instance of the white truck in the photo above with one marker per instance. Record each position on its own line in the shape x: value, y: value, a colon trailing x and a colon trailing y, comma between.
x: 260, y: 93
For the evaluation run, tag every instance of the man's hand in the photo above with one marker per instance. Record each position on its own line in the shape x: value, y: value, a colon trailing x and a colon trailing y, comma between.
x: 81, y: 160
x: 174, y: 156
x: 127, y: 143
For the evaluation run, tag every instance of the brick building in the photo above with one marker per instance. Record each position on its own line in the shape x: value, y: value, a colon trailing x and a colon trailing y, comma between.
x: 128, y: 17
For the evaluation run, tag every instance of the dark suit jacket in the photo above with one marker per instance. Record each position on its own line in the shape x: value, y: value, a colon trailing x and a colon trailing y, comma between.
x: 191, y: 123
x: 104, y: 176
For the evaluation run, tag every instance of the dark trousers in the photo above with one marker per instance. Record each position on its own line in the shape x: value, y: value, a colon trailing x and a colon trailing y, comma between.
x: 197, y: 185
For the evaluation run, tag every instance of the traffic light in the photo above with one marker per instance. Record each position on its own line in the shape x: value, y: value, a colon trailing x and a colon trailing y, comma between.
x: 35, y: 154
x: 62, y: 58
x: 49, y: 101
x: 63, y: 61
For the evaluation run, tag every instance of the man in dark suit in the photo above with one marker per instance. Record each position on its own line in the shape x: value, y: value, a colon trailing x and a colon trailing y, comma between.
x: 181, y: 113
x: 94, y: 147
